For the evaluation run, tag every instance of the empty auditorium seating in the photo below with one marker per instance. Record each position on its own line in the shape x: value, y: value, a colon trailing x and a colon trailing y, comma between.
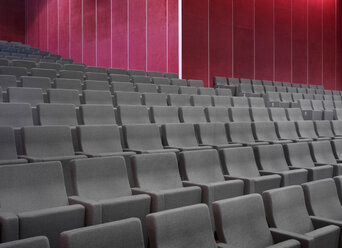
x: 71, y: 74
x: 7, y: 81
x: 96, y: 69
x: 266, y: 132
x: 127, y: 98
x: 217, y: 114
x: 323, y: 129
x: 241, y: 222
x: 163, y: 115
x: 287, y: 215
x: 178, y: 100
x: 97, y: 97
x: 119, y: 78
x: 96, y: 85
x: 131, y: 114
x: 192, y: 114
x: 33, y: 96
x: 64, y: 96
x: 146, y: 88
x: 260, y: 114
x: 287, y: 130
x: 154, y: 99
x: 96, y: 76
x: 241, y: 133
x: 43, y: 83
x: 158, y: 176
x: 306, y: 129
x: 240, y: 102
x: 221, y: 101
x: 140, y: 79
x: 159, y: 80
x: 294, y: 114
x: 136, y: 73
x: 278, y: 114
x: 239, y: 163
x: 117, y: 71
x: 35, y: 242
x: 57, y: 114
x: 170, y: 75
x: 8, y: 150
x: 68, y: 83
x: 168, y: 89
x: 97, y: 114
x: 204, y: 101
x: 178, y: 82
x: 240, y: 114
x: 122, y: 86
x: 195, y: 83
x: 187, y: 90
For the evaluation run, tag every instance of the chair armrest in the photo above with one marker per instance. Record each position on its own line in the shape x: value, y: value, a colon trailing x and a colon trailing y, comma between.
x: 321, y: 164
x: 9, y: 224
x: 267, y: 173
x: 282, y: 235
x: 319, y: 222
x: 93, y: 209
x: 222, y: 245
x: 171, y: 147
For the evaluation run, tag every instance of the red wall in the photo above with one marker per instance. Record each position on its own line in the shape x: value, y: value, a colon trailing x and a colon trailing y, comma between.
x: 284, y: 40
x: 135, y: 34
x: 12, y: 20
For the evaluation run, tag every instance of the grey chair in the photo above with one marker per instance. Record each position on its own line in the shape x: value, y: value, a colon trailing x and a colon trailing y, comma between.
x: 180, y: 136
x: 278, y: 114
x: 35, y: 242
x: 102, y: 187
x: 32, y: 96
x: 266, y: 132
x: 43, y: 83
x: 308, y: 96
x: 8, y: 150
x: 217, y: 114
x: 246, y: 213
x: 298, y: 156
x: 130, y: 114
x: 178, y: 82
x: 127, y: 98
x: 57, y: 114
x: 220, y: 82
x: 192, y: 114
x: 170, y: 75
x: 159, y: 80
x: 79, y: 75
x: 140, y: 79
x: 256, y: 102
x: 50, y: 143
x: 136, y: 73
x: 120, y: 234
x: 267, y: 83
x: 206, y: 91
x: 15, y: 71
x: 223, y: 92
x: 158, y: 176
x: 195, y: 83
x: 163, y: 115
x: 96, y: 76
x: 74, y: 67
x: 15, y: 115
x: 241, y: 133
x: 318, y: 106
x: 287, y: 215
x: 239, y: 163
x: 247, y: 90
x: 322, y: 154
x: 308, y: 112
x: 187, y: 90
x: 287, y: 130
x: 117, y: 71
x: 93, y: 114
x: 273, y: 100
x: 168, y: 89
x: 96, y: 69
x: 271, y: 160
x: 240, y: 102
x: 178, y: 100
x: 154, y: 99
x: 221, y: 101
x: 119, y: 78
x: 260, y: 114
x: 259, y: 89
x: 122, y: 86
x: 63, y: 96
x: 146, y: 88
x: 144, y: 139
x: 97, y: 97
x: 33, y: 197
x: 233, y: 81
x: 47, y: 65
x: 337, y: 148
x: 338, y: 104
x: 96, y: 85
x: 323, y: 129
x: 306, y: 129
x: 201, y: 100
x: 7, y: 81
x: 69, y: 84
x: 240, y: 114
x: 192, y: 220
x: 294, y: 114
x: 214, y: 135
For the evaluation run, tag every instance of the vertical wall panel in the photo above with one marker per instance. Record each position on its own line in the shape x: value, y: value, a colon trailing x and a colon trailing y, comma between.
x: 329, y: 38
x: 282, y: 24
x: 76, y: 30
x: 195, y: 39
x: 299, y: 41
x: 42, y: 15
x: 220, y: 38
x: 89, y: 32
x: 33, y: 23
x: 172, y: 35
x: 104, y: 33
x: 315, y: 42
x: 338, y: 59
x: 63, y: 23
x: 52, y: 21
x: 137, y: 34
x: 264, y: 39
x: 119, y: 34
x: 156, y: 35
x: 243, y: 24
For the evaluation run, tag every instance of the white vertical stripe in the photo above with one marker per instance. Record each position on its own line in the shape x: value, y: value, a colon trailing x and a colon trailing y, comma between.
x: 26, y: 21
x: 180, y: 55
x: 335, y: 44
x: 254, y: 37
x: 167, y: 35
x: 82, y: 35
x: 291, y: 41
x: 127, y: 34
x: 274, y: 43
x: 69, y: 30
x: 322, y: 47
x: 307, y: 42
x: 233, y: 38
x: 208, y: 83
x: 111, y: 33
x: 47, y: 25
x: 58, y: 49
x: 146, y: 26
x: 96, y: 31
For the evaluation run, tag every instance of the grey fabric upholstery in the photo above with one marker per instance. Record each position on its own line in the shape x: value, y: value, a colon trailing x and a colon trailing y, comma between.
x: 217, y: 114
x: 306, y: 129
x: 241, y: 222
x: 277, y: 84
x: 178, y: 82
x: 168, y: 89
x: 240, y: 163
x: 50, y: 143
x: 7, y: 81
x: 220, y: 81
x: 170, y: 75
x: 15, y: 71
x: 127, y: 98
x: 322, y: 153
x: 185, y: 90
x: 160, y: 80
x: 180, y: 136
x: 119, y: 234
x: 278, y: 114
x: 96, y: 85
x: 308, y: 96
x: 143, y: 138
x: 70, y: 84
x: 33, y: 96
x: 234, y: 81
x: 8, y: 150
x: 71, y: 74
x: 178, y: 100
x: 117, y: 71
x: 204, y: 101
x: 192, y: 114
x: 221, y: 101
x: 281, y: 89
x: 337, y: 148
x: 294, y: 114
x: 97, y: 76
x: 298, y: 156
x: 259, y: 89
x: 57, y: 114
x: 287, y: 130
x: 260, y: 114
x: 271, y: 160
x: 308, y: 112
x: 338, y: 104
x: 35, y: 242
x: 74, y: 67
x: 240, y: 102
x: 266, y: 82
x: 154, y: 99
x: 213, y: 134
x: 129, y: 114
x: 241, y: 133
x: 43, y: 83
x: 338, y: 114
x: 146, y: 88
x: 323, y: 129
x: 193, y: 221
x: 318, y: 105
x: 136, y: 72
x: 30, y: 202
x: 154, y: 74
x: 158, y: 176
x: 272, y: 99
x: 223, y: 92
x: 301, y: 91
x: 63, y: 96
x: 328, y: 97
x: 240, y: 114
x: 195, y: 83
x: 287, y: 214
x: 15, y: 114
x: 119, y: 78
x: 97, y: 114
x: 265, y: 131
x: 206, y: 91
x: 122, y: 86
x: 96, y: 69
x: 46, y: 65
x: 97, y: 97
x: 163, y: 115
x: 256, y: 102
x: 140, y: 79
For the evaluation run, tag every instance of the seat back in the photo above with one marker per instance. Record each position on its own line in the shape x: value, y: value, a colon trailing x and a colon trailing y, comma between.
x: 43, y: 83
x: 96, y: 69
x: 323, y: 128
x: 127, y: 98
x: 278, y: 114
x: 122, y: 86
x: 63, y: 96
x: 97, y: 114
x: 119, y: 77
x: 265, y: 131
x: 206, y: 91
x: 96, y: 85
x: 322, y: 152
x: 217, y: 114
x: 79, y: 75
x: 15, y: 114
x: 212, y: 133
x: 195, y: 83
x: 171, y: 75
x: 223, y: 92
x: 35, y: 242
x: 260, y: 114
x: 185, y: 90
x: 57, y: 114
x: 240, y: 102
x: 129, y: 114
x: 286, y: 130
x: 204, y: 101
x: 163, y: 115
x: 192, y: 114
x: 68, y: 83
x: 240, y: 132
x: 240, y: 114
x: 154, y: 99
x: 33, y: 96
x: 117, y: 71
x: 178, y: 82
x: 257, y: 102
x: 294, y: 114
x: 179, y: 135
x: 146, y: 88
x: 7, y: 81
x: 8, y: 148
x: 298, y: 155
x: 140, y: 79
x: 178, y: 100
x: 159, y: 80
x: 97, y: 76
x: 97, y: 97
x: 221, y: 101
x: 271, y: 158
